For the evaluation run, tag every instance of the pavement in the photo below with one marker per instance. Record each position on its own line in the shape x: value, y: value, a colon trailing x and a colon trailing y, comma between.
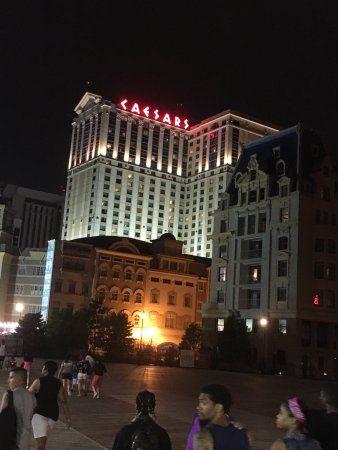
x: 96, y: 422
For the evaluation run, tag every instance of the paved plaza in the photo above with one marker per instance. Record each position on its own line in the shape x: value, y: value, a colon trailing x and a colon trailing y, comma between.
x: 95, y: 422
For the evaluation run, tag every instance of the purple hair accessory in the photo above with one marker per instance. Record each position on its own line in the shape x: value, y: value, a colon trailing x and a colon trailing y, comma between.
x: 297, y: 412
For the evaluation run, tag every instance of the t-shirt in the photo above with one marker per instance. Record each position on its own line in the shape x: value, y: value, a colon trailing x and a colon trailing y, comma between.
x: 228, y: 438
x: 67, y: 367
x: 99, y: 369
x: 83, y: 367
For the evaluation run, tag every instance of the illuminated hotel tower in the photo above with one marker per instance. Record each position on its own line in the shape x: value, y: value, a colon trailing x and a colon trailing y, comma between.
x: 138, y: 171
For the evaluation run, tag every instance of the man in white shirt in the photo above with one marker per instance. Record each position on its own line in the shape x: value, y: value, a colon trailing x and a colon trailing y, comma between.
x: 2, y: 352
x: 24, y: 405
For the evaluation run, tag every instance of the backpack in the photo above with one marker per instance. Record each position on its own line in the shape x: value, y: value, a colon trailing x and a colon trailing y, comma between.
x: 8, y: 422
x: 145, y: 438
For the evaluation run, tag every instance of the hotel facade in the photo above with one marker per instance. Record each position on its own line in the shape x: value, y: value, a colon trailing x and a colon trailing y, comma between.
x: 275, y: 254
x: 138, y: 172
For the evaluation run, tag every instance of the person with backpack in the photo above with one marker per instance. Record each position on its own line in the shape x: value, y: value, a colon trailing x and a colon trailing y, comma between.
x: 66, y: 373
x: 143, y: 433
x: 17, y: 409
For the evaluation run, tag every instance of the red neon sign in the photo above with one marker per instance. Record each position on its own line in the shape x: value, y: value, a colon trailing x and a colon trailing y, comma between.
x: 316, y: 299
x: 154, y: 114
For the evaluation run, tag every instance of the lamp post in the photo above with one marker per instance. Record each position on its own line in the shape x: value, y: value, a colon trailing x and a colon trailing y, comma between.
x: 19, y: 307
x: 143, y: 315
x: 263, y: 322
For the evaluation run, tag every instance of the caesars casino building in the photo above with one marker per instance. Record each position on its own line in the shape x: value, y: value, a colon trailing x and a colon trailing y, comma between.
x: 137, y: 170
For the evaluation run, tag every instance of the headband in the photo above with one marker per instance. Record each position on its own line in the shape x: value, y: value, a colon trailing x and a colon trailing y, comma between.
x: 293, y: 404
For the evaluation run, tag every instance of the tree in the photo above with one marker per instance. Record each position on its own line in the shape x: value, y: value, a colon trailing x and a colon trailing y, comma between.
x: 109, y: 333
x: 192, y: 338
x: 233, y: 341
x: 67, y: 332
x: 32, y: 330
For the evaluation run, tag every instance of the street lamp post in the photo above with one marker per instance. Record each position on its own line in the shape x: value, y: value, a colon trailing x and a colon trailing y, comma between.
x: 19, y: 307
x: 143, y: 316
x: 264, y: 323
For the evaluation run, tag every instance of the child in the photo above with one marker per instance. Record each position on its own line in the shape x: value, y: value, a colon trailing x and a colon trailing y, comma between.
x: 11, y: 363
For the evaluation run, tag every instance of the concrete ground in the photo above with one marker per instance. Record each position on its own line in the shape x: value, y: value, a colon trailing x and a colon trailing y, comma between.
x: 95, y: 422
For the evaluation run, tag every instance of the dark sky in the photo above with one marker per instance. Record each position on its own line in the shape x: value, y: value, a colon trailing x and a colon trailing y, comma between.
x: 275, y: 62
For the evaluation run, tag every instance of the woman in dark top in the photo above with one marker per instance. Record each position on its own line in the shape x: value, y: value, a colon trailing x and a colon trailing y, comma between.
x: 99, y: 369
x: 48, y: 392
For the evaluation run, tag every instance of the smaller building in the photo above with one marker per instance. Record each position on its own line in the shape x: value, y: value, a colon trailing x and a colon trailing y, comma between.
x: 160, y: 289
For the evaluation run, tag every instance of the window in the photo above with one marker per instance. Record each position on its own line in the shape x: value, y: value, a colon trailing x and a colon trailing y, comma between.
x: 171, y: 299
x: 251, y: 224
x: 103, y: 272
x: 319, y: 245
x: 254, y: 274
x: 261, y: 223
x: 322, y: 335
x: 282, y: 243
x: 283, y: 190
x: 222, y: 273
x: 331, y: 246
x: 262, y: 194
x: 282, y: 326
x: 140, y: 277
x: 243, y: 198
x: 58, y: 286
x: 116, y: 274
x: 154, y: 297
x: 222, y: 251
x: 282, y: 268
x: 71, y: 287
x: 189, y: 284
x: 138, y: 298
x: 254, y: 298
x: 319, y: 270
x: 220, y: 296
x: 170, y: 320
x: 284, y: 214
x: 187, y: 301
x: 249, y: 325
x: 252, y: 196
x: 240, y: 226
x: 137, y: 320
x: 223, y: 226
x: 318, y: 217
x: 128, y: 275
x: 281, y: 294
x: 325, y: 193
x: 166, y: 281
x: 330, y: 299
x: 280, y: 168
x: 155, y: 280
x: 220, y: 324
x: 126, y: 297
x: 114, y: 295
x: 330, y: 272
x: 306, y: 333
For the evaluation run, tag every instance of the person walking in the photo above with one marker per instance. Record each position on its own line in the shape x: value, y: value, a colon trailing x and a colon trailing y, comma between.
x: 90, y: 373
x: 83, y: 368
x: 27, y: 365
x: 49, y: 394
x: 292, y: 419
x: 98, y: 370
x: 24, y: 406
x: 2, y: 352
x: 323, y: 424
x: 214, y: 403
x: 143, y: 433
x: 66, y: 373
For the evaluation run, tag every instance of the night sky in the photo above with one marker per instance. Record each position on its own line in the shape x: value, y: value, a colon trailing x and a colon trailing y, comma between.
x: 274, y: 62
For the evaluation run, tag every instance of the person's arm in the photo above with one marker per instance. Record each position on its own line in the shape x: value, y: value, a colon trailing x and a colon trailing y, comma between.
x: 278, y: 445
x: 60, y: 370
x: 35, y: 387
x: 62, y: 398
x: 4, y: 401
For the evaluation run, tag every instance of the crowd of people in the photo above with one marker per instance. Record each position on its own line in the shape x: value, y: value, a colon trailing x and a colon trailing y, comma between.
x: 33, y: 409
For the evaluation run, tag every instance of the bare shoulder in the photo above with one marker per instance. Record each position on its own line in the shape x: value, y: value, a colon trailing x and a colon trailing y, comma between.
x: 278, y: 445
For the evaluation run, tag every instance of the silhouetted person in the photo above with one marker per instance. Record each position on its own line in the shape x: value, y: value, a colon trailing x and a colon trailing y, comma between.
x: 143, y: 433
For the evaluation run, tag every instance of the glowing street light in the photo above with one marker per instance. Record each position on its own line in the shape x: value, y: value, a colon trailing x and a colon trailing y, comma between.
x: 143, y: 316
x: 19, y: 307
x: 263, y: 322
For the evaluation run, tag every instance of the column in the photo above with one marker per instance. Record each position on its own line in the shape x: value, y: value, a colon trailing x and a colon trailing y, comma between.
x: 160, y: 148
x: 89, y: 138
x: 150, y: 144
x: 71, y: 155
x: 138, y: 143
x: 95, y: 134
x: 206, y: 167
x: 81, y: 144
x: 104, y: 130
x: 218, y: 161
x: 180, y: 156
x: 127, y: 147
x: 171, y: 150
x: 117, y: 134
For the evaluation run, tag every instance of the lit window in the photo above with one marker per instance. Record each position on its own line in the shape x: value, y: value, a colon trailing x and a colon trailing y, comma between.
x: 220, y: 324
x: 282, y: 326
x: 126, y: 297
x: 138, y: 298
x: 249, y: 325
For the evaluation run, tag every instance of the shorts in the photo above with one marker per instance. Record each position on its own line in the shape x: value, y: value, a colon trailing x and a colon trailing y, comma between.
x: 66, y: 376
x: 41, y: 425
x: 81, y: 376
x: 97, y: 381
x: 27, y: 365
